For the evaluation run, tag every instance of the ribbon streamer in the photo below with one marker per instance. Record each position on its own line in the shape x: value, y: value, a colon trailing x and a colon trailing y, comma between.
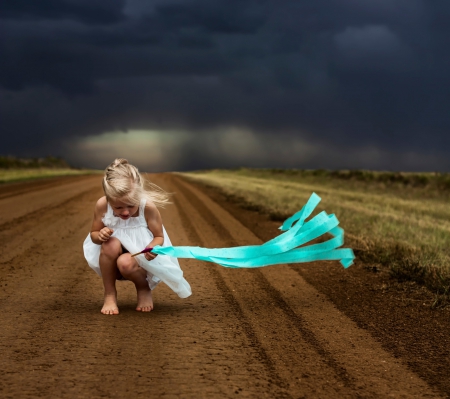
x: 285, y: 248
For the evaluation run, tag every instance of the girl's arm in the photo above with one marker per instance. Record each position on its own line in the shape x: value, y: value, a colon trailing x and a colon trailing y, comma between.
x: 154, y: 223
x: 99, y: 232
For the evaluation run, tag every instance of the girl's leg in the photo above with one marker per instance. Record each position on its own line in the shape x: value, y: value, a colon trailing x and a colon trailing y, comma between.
x: 110, y: 251
x: 130, y: 269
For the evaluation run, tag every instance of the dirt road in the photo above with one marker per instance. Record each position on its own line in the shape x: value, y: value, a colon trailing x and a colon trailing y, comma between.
x: 263, y: 333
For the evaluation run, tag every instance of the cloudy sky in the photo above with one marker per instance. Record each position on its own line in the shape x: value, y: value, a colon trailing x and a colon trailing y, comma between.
x: 190, y: 84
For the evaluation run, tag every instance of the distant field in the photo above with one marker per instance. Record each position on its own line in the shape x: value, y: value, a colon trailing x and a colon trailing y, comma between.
x: 14, y: 175
x: 399, y: 220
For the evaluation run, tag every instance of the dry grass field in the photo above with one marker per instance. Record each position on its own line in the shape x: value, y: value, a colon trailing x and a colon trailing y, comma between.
x: 15, y: 175
x: 399, y: 220
x: 14, y: 169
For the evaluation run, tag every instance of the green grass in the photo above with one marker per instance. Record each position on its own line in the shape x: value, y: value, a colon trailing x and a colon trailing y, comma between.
x: 11, y: 162
x: 398, y: 220
x: 22, y: 174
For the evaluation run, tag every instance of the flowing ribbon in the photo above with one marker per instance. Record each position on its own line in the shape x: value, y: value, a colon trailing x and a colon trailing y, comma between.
x: 285, y: 248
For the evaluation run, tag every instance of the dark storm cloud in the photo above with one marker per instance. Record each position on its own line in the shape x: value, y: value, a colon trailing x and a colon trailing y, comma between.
x: 347, y: 74
x: 86, y: 11
x: 229, y: 17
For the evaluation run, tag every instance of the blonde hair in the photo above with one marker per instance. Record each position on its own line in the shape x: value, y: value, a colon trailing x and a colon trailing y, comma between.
x: 123, y: 181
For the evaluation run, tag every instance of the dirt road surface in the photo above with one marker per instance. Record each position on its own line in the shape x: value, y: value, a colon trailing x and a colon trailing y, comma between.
x: 274, y: 332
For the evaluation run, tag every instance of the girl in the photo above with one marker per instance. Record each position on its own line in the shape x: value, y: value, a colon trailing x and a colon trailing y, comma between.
x: 127, y: 220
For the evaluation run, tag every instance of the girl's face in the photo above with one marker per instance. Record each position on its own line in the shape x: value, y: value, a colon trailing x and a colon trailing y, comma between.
x: 123, y: 209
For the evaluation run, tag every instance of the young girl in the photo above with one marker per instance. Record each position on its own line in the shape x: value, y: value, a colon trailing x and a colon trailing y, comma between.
x: 126, y: 220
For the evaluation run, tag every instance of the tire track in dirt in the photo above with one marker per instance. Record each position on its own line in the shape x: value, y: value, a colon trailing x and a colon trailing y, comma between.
x: 276, y: 296
x: 374, y: 371
x: 232, y: 302
x: 292, y: 357
x: 264, y: 285
x: 36, y: 319
x: 18, y: 188
x: 19, y: 206
x: 20, y: 234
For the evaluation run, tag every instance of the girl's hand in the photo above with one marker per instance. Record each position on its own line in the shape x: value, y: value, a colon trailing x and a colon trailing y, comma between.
x: 150, y: 255
x: 105, y: 234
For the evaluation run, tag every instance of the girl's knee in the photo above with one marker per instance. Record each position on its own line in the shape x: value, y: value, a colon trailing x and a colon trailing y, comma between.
x: 112, y: 248
x: 126, y: 264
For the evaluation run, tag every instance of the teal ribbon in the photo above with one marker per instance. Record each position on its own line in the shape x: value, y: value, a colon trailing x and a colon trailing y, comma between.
x: 285, y: 248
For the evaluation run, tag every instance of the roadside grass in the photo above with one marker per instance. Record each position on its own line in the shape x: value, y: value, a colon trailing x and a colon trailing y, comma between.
x: 11, y: 162
x: 23, y: 174
x: 397, y: 220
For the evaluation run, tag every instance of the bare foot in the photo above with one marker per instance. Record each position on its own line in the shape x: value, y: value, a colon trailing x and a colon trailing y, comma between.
x: 110, y: 305
x: 144, y: 300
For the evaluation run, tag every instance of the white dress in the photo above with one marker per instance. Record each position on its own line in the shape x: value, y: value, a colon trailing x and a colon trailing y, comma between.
x: 135, y: 235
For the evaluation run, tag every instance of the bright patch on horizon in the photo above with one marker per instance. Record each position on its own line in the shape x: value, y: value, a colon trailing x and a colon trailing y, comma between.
x: 171, y: 150
x: 141, y: 147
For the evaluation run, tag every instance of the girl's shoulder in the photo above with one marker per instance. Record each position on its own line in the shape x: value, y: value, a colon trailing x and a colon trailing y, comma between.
x: 150, y: 210
x: 101, y: 206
